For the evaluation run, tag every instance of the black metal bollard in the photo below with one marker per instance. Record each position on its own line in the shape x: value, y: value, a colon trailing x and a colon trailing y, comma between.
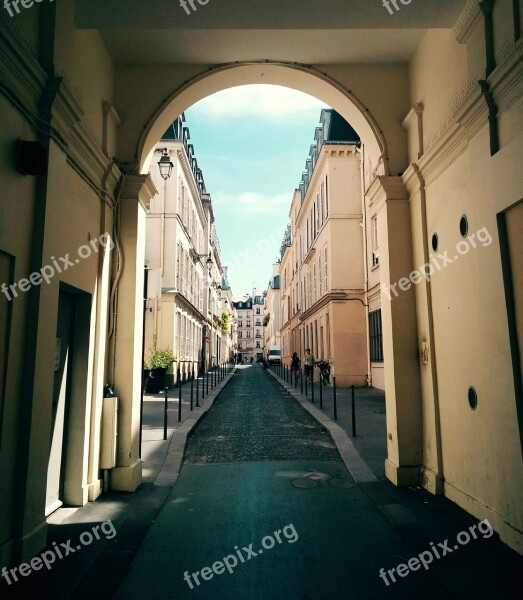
x: 321, y: 393
x: 312, y: 384
x: 353, y: 414
x: 207, y: 383
x: 334, y: 398
x: 197, y: 386
x: 301, y: 380
x: 306, y: 384
x: 192, y: 390
x: 179, y: 397
x: 165, y: 415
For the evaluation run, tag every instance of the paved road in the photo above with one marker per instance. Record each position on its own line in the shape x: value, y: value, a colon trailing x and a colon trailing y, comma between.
x: 256, y: 421
x: 264, y: 499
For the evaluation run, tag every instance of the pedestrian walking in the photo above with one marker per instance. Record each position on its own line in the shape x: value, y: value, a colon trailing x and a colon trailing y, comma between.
x: 308, y: 361
x: 295, y: 366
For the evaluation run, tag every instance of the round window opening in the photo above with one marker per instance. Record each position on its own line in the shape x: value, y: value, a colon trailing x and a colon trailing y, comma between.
x: 435, y: 242
x: 473, y: 398
x: 463, y: 226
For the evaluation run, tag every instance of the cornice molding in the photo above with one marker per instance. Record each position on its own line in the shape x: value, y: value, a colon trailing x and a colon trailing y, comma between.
x: 53, y: 108
x: 20, y: 73
x: 506, y: 80
x: 386, y: 189
x: 335, y: 296
x: 467, y: 21
x: 468, y: 111
x: 139, y: 187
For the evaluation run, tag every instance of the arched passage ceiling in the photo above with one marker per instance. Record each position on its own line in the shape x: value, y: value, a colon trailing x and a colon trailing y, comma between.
x: 157, y: 48
x: 306, y: 31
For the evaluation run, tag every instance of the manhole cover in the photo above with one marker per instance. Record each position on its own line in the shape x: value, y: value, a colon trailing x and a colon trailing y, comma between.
x: 341, y: 483
x: 304, y: 482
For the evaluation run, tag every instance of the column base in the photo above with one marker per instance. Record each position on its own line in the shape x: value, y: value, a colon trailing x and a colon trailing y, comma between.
x: 126, y: 479
x: 95, y: 490
x: 402, y: 476
x: 433, y: 482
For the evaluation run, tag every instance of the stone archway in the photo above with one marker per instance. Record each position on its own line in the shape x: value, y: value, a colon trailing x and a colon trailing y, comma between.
x: 384, y: 187
x: 303, y: 78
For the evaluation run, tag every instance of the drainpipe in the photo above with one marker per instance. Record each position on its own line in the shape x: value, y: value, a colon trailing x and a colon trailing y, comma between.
x: 365, y: 265
x: 162, y: 265
x: 432, y: 364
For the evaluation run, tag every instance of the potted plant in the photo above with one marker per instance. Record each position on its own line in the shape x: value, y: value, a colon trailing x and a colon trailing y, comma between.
x: 155, y: 365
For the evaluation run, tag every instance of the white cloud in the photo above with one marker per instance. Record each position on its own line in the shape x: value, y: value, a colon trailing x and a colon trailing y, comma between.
x: 254, y: 203
x: 271, y: 102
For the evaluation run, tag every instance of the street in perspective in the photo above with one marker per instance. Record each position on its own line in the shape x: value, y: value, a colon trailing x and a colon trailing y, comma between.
x: 261, y: 299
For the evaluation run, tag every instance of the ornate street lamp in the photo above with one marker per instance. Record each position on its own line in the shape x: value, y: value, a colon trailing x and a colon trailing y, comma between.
x: 165, y: 164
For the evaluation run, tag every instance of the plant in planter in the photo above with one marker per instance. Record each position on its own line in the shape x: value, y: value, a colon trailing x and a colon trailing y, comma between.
x: 156, y: 363
x: 225, y: 319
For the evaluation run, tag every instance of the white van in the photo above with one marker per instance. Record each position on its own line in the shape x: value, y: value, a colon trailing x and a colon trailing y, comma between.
x: 274, y: 355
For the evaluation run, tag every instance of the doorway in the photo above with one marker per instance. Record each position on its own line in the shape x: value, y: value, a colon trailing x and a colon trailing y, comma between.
x: 69, y: 395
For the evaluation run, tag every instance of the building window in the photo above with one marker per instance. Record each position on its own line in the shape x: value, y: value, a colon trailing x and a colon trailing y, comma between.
x: 257, y: 311
x: 322, y: 202
x: 376, y: 338
x: 326, y: 196
x: 326, y: 270
x: 374, y: 232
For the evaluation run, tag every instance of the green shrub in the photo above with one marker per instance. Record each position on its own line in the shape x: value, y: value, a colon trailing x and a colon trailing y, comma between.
x: 159, y: 359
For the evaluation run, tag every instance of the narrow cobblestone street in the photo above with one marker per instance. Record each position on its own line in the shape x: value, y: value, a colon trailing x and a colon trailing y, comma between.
x: 256, y: 421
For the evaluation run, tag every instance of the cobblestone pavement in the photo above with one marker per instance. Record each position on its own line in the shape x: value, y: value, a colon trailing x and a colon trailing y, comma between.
x: 254, y: 420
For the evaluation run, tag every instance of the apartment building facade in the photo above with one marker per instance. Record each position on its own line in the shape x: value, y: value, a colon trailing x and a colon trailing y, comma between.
x: 184, y: 306
x: 272, y: 311
x: 249, y: 310
x: 228, y: 320
x: 322, y: 265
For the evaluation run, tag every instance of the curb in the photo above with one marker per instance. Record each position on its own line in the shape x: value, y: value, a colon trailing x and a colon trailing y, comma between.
x: 355, y: 464
x: 170, y: 470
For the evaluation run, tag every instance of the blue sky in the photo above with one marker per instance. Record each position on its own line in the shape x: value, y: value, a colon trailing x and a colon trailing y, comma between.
x: 251, y: 143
